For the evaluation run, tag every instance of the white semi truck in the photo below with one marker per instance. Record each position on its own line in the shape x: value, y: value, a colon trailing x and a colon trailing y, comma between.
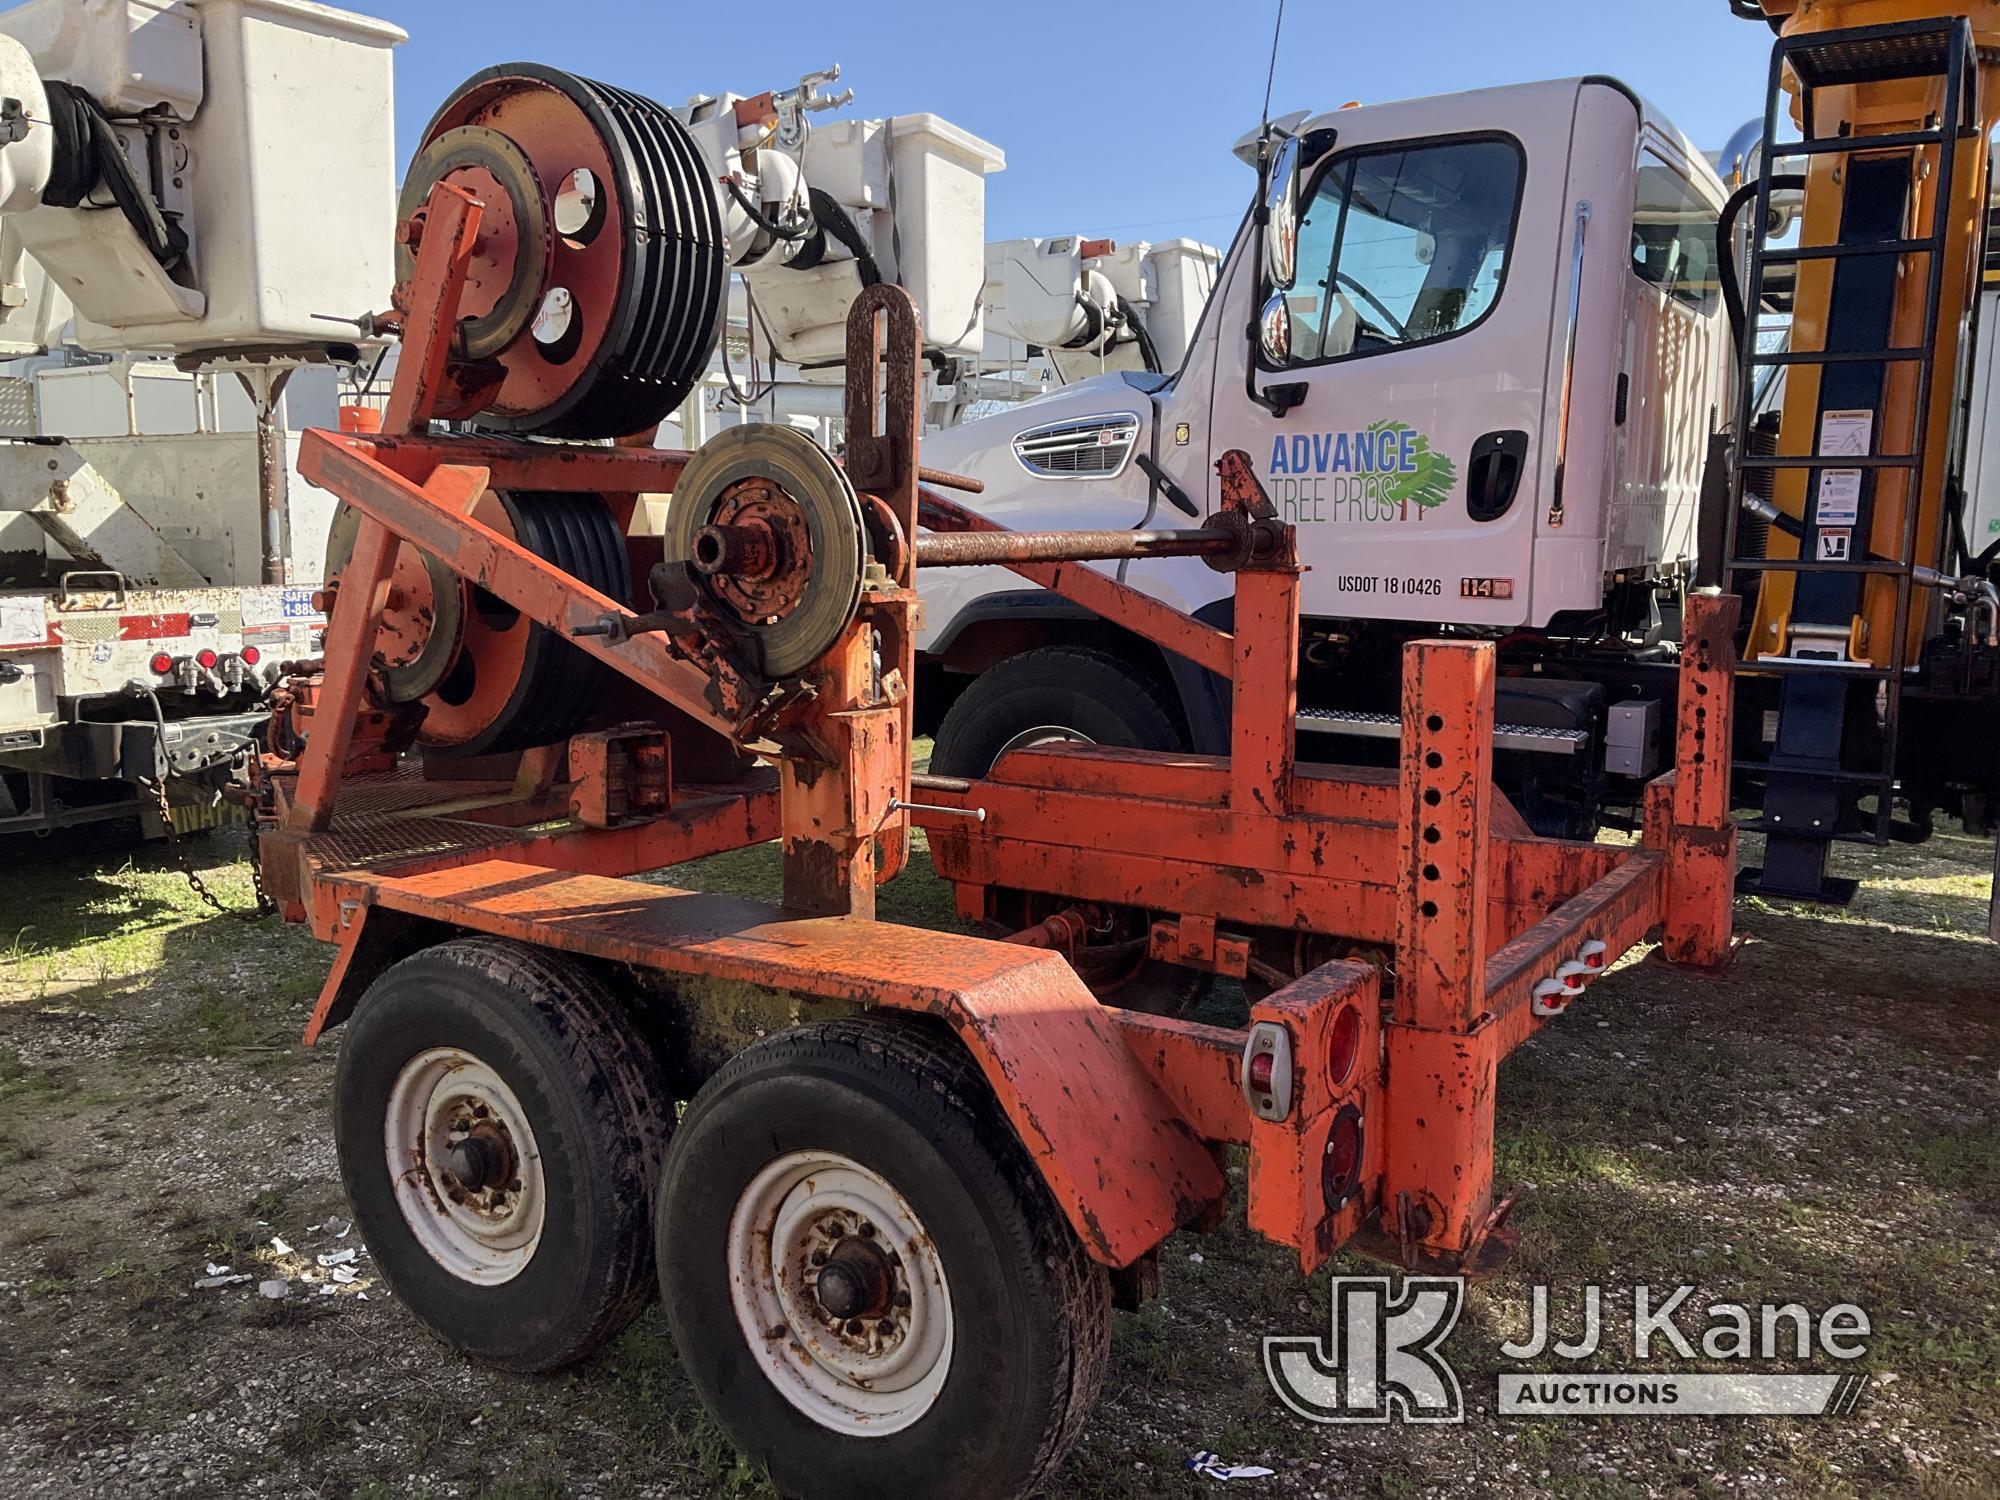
x: 1485, y: 398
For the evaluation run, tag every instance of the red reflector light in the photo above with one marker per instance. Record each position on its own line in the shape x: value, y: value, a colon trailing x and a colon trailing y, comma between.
x: 1343, y: 1048
x: 1263, y: 1068
x: 1340, y: 1172
x: 1595, y: 955
x: 162, y: 664
x: 251, y: 656
x: 207, y: 660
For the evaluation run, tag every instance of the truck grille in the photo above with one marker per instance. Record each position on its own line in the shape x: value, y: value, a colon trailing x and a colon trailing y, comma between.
x: 1092, y: 448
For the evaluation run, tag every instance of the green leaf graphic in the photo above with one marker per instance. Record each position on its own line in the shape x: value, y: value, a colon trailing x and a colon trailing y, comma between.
x: 1431, y: 484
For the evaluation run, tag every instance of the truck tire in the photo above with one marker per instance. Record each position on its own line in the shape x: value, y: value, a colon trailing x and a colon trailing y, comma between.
x: 1057, y: 693
x: 845, y: 1202
x: 500, y: 1124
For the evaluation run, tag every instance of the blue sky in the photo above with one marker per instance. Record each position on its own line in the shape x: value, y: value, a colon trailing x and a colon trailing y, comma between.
x: 1116, y: 117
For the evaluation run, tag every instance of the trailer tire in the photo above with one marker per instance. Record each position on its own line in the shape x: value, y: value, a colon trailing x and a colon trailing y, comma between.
x: 1075, y: 692
x: 572, y: 1120
x: 796, y: 1149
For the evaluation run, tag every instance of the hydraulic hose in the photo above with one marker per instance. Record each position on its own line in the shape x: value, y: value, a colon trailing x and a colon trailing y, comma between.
x: 1147, y: 351
x: 770, y: 226
x: 1725, y: 246
x: 89, y: 155
x: 833, y: 221
x: 1751, y: 10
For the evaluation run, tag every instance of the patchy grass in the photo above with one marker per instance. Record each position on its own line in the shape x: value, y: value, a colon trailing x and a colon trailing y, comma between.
x: 1821, y: 1125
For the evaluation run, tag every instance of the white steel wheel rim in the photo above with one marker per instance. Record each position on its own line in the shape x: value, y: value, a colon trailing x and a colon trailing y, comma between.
x: 863, y: 1377
x: 1043, y: 734
x: 484, y: 1233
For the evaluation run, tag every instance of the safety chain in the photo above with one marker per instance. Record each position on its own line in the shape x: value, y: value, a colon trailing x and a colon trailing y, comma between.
x: 264, y: 906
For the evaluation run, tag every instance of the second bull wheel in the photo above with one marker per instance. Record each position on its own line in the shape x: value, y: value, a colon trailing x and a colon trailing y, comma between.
x: 597, y: 286
x: 513, y: 684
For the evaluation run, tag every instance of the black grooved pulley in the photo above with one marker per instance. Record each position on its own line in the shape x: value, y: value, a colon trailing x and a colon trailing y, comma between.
x: 628, y: 304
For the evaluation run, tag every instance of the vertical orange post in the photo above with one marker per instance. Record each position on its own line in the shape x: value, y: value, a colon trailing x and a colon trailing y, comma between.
x: 1442, y: 1060
x: 1265, y: 690
x: 884, y: 432
x: 832, y: 808
x: 1701, y: 838
x: 1447, y: 815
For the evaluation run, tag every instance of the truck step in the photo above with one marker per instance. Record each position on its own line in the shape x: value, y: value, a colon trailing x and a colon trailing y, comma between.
x: 1389, y: 727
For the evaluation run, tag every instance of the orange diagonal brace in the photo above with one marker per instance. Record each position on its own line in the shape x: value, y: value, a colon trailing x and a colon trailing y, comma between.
x: 539, y: 589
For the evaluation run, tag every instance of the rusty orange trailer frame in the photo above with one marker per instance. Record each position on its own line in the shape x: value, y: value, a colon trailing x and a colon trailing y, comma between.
x: 1359, y: 1122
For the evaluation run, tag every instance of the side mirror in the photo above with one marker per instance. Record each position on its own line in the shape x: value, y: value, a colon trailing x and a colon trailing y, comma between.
x: 1281, y: 216
x: 1276, y: 256
x: 1274, y: 329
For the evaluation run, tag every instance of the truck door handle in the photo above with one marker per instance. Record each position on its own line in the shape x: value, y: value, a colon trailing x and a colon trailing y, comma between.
x: 1494, y: 477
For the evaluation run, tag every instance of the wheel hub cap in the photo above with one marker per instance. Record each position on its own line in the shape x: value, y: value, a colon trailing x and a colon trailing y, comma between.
x: 840, y: 1294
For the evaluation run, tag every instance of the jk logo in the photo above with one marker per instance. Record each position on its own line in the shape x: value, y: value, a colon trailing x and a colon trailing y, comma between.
x: 1381, y: 1361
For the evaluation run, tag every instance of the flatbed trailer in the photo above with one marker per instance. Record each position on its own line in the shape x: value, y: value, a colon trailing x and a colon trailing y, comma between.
x: 918, y: 1167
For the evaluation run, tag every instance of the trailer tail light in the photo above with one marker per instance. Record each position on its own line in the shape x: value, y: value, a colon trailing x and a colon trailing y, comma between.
x: 1343, y: 1048
x: 1267, y: 1071
x: 1340, y: 1171
x: 206, y: 660
x: 161, y: 664
x: 1262, y: 1069
x: 251, y: 656
x: 1575, y: 976
x: 1552, y: 998
x: 1594, y: 955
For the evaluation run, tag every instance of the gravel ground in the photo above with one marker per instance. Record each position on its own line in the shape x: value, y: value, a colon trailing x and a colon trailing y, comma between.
x: 1820, y: 1126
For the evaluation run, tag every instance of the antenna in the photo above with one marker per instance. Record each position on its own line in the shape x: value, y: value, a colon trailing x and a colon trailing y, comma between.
x: 1271, y: 78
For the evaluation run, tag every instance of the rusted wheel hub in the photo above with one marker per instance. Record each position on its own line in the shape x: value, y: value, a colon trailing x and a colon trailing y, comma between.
x: 422, y: 621
x: 515, y: 252
x: 769, y: 528
x: 468, y: 1175
x: 757, y: 552
x: 856, y: 1282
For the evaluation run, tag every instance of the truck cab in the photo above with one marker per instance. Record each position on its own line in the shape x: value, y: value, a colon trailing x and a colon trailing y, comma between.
x: 1485, y: 399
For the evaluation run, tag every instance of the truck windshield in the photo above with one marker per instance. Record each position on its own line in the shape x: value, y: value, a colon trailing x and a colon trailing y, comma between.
x: 1403, y: 245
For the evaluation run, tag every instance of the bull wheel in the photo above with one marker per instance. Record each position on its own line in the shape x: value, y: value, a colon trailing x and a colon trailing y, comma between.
x: 511, y: 683
x: 867, y: 1280
x: 597, y: 286
x: 500, y: 1125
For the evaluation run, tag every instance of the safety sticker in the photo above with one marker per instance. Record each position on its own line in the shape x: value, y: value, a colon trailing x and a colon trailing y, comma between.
x: 1836, y: 545
x: 1842, y: 434
x: 23, y: 622
x: 270, y: 607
